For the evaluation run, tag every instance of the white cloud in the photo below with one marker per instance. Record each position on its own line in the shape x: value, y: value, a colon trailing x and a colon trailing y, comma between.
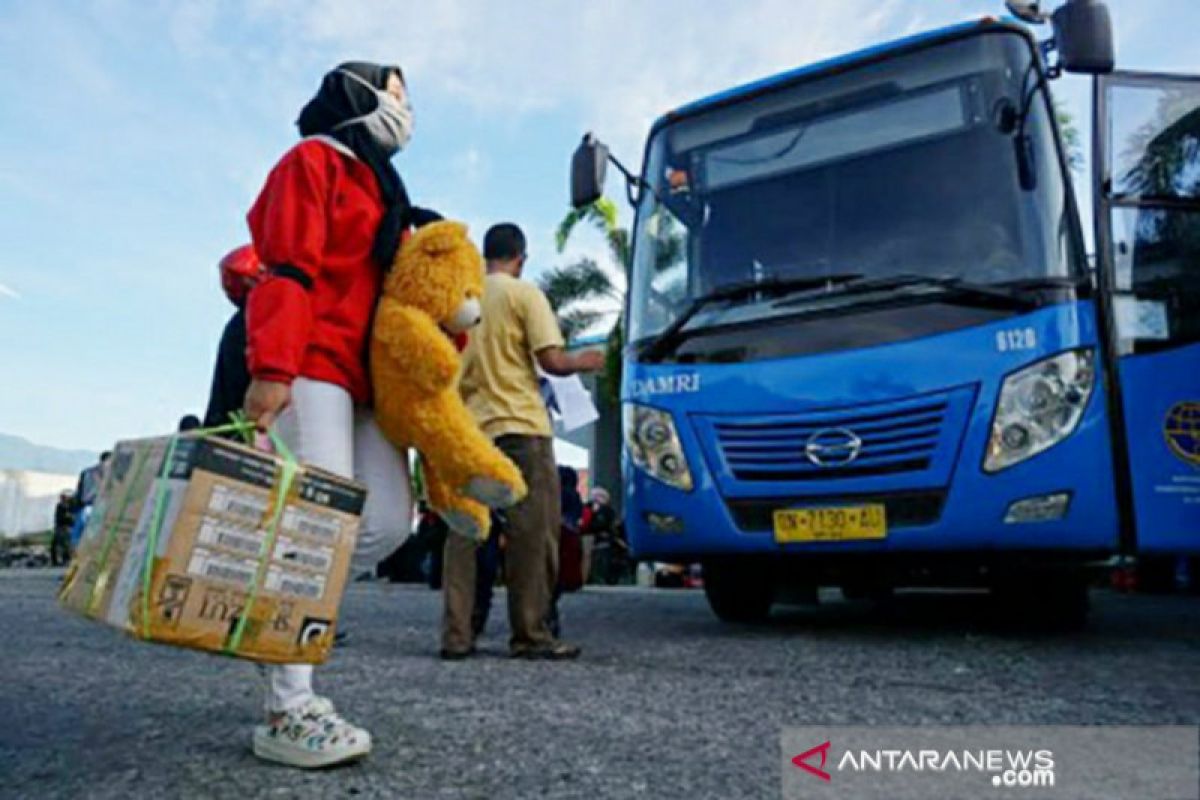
x: 609, y: 67
x: 616, y: 66
x: 191, y: 27
x: 470, y: 166
x: 7, y: 291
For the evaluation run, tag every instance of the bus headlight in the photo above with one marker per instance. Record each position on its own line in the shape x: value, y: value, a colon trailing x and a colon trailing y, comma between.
x: 1039, y: 406
x: 654, y: 445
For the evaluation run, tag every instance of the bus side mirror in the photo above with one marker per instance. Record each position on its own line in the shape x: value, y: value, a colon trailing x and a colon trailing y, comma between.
x: 588, y: 168
x: 1083, y: 37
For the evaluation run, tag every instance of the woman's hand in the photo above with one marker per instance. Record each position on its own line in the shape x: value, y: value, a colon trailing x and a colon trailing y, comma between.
x: 265, y: 401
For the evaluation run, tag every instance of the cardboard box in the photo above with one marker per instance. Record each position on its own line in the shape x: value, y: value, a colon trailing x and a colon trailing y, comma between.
x: 176, y: 552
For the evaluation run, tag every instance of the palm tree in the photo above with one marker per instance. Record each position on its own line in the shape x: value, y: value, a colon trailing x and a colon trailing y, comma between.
x: 1070, y: 136
x: 580, y: 291
x: 1161, y: 155
x: 572, y: 291
x: 583, y: 293
x: 603, y: 215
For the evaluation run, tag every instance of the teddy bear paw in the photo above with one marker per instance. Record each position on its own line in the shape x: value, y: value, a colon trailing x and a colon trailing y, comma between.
x: 491, y: 492
x: 464, y: 524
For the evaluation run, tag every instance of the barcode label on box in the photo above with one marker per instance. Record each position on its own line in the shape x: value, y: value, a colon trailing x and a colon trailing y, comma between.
x: 216, y: 533
x: 251, y: 506
x: 325, y: 527
x: 216, y: 566
x: 294, y: 584
x: 289, y: 551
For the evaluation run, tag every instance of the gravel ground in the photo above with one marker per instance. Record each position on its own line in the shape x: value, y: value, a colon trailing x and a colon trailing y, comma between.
x: 665, y: 702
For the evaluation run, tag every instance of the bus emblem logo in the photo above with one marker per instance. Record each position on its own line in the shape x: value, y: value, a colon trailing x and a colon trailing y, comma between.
x: 833, y: 447
x: 1182, y: 430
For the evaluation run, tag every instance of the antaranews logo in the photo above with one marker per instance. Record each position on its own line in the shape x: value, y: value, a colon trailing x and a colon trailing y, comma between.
x: 883, y: 762
x: 801, y: 761
x: 1006, y: 768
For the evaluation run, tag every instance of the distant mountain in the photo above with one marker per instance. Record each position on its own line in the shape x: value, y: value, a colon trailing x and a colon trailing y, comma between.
x: 18, y: 453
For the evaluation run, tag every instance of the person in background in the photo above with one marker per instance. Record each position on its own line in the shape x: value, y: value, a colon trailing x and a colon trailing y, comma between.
x: 189, y: 422
x: 409, y: 563
x: 569, y: 497
x: 599, y: 525
x: 60, y: 539
x: 90, y: 480
x: 500, y: 387
x: 327, y: 226
x: 86, y: 491
x: 435, y: 529
x: 240, y: 271
x: 622, y: 567
x: 570, y: 548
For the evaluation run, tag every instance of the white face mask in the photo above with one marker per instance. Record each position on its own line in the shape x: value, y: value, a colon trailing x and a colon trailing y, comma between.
x: 390, y: 124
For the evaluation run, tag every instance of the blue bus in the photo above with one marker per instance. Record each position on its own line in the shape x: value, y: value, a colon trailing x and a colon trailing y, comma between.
x: 866, y: 348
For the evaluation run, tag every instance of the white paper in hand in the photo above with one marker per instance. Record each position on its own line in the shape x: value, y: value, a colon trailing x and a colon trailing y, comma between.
x: 572, y: 402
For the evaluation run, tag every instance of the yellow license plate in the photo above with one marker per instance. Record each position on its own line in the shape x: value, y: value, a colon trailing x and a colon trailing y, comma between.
x: 831, y: 523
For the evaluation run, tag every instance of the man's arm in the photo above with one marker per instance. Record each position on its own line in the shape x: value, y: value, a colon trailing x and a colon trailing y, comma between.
x: 557, y: 361
x: 546, y: 341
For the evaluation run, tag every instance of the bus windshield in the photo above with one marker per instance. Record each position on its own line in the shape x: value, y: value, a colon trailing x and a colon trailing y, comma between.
x: 907, y: 166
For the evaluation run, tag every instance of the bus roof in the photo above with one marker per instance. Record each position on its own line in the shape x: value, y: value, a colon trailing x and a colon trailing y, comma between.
x: 838, y: 62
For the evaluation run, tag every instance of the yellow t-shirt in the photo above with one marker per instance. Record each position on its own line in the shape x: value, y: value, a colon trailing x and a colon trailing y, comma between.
x: 499, y: 383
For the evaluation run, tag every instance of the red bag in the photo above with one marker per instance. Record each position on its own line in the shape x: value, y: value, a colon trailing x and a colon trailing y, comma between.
x: 570, y: 559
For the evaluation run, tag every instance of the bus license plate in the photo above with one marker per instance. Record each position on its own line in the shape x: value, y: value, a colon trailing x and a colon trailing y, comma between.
x: 831, y: 524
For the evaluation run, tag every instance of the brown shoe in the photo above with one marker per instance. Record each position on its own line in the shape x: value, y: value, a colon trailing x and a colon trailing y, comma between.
x: 552, y: 651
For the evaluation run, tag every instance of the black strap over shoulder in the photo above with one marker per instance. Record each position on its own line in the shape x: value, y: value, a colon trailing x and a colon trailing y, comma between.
x: 293, y: 273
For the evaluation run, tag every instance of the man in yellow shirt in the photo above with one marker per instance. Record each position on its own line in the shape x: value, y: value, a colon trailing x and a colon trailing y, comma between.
x: 500, y: 386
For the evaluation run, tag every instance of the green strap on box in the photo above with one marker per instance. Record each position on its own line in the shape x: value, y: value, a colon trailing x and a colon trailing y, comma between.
x: 239, y: 424
x: 160, y: 507
x: 111, y: 534
x: 287, y: 476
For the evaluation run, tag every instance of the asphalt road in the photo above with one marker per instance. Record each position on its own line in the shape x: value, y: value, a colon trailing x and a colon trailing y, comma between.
x: 666, y: 701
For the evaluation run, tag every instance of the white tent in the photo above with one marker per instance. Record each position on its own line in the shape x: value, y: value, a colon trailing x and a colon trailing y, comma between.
x: 27, y: 500
x: 570, y: 455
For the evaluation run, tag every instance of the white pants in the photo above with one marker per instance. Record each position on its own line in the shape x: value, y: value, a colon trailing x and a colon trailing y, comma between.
x: 323, y: 428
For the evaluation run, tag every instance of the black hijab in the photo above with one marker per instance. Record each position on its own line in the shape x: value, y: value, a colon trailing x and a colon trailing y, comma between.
x: 341, y: 98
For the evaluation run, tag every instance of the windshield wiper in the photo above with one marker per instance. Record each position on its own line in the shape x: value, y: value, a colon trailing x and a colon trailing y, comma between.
x: 1043, y: 282
x: 1009, y: 296
x: 663, y: 344
x: 1014, y: 296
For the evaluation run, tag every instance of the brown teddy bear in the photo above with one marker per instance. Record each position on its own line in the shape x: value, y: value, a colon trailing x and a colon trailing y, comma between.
x: 431, y: 294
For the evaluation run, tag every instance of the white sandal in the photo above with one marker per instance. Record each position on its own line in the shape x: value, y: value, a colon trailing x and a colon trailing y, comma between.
x: 310, y: 737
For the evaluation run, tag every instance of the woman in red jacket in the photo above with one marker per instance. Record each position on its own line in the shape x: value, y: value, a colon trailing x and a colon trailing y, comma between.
x: 326, y: 226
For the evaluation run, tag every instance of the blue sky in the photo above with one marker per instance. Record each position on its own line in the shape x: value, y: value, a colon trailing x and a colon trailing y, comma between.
x: 134, y: 135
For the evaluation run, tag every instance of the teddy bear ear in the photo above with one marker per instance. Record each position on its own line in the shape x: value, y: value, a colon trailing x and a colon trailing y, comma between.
x: 439, y: 238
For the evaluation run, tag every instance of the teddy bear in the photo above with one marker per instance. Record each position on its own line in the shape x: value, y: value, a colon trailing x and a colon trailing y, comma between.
x: 431, y: 295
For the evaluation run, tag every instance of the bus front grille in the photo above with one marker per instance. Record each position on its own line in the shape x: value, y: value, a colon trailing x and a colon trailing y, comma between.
x: 876, y: 440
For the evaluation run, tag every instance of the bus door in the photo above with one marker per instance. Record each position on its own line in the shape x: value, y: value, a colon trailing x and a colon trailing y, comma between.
x: 1146, y: 163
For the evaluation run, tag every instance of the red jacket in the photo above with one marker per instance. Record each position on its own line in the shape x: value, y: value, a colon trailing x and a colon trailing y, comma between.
x: 313, y: 225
